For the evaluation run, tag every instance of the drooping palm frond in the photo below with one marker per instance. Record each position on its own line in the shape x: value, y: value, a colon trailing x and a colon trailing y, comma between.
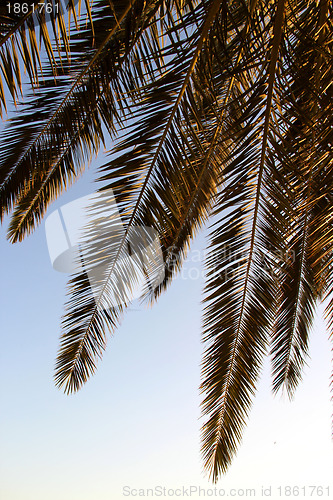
x: 73, y: 129
x: 130, y: 191
x: 302, y: 166
x: 21, y: 25
x: 239, y: 290
x: 94, y: 96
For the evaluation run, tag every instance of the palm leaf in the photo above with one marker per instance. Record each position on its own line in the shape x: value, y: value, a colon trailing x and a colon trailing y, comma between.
x: 74, y: 126
x: 71, y: 359
x: 239, y: 291
x: 301, y: 167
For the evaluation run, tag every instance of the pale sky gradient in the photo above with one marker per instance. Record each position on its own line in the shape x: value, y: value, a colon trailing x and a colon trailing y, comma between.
x: 137, y: 421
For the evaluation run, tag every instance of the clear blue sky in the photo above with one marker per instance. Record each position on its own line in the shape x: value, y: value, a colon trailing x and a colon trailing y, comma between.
x: 136, y: 424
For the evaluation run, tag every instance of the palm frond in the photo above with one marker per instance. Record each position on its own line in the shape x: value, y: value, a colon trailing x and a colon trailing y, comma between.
x: 302, y: 165
x: 74, y: 125
x: 141, y: 164
x: 95, y: 97
x: 239, y: 291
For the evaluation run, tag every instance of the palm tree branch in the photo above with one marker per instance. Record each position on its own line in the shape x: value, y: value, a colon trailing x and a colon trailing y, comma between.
x: 290, y: 343
x: 277, y: 34
x: 97, y: 303
x: 104, y: 101
x: 212, y: 147
x: 76, y: 83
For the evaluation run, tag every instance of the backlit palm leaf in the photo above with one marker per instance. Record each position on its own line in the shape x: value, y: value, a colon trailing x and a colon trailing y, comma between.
x: 98, y: 95
x: 239, y: 292
x: 94, y: 317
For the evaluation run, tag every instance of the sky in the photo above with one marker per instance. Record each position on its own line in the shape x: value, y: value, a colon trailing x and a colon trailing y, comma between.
x: 134, y: 428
